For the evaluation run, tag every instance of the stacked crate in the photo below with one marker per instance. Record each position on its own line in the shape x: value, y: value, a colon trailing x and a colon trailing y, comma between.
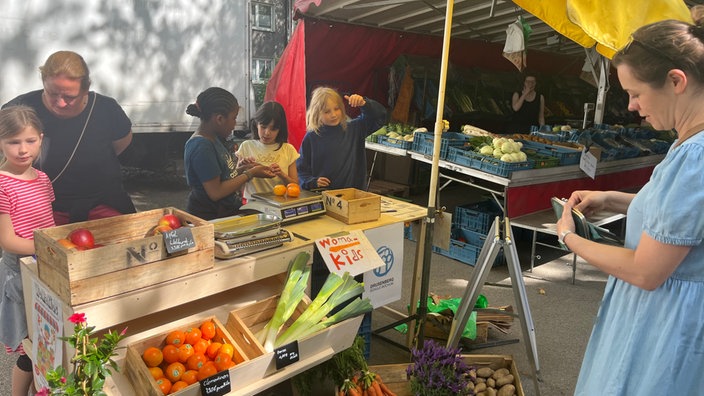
x: 470, y: 226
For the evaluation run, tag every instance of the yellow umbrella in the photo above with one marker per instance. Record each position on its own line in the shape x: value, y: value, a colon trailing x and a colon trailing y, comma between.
x: 607, y: 24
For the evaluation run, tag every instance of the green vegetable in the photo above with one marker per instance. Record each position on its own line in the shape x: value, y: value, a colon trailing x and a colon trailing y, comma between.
x: 336, y: 291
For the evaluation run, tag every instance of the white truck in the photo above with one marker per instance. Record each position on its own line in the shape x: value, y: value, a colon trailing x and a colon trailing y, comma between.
x: 152, y: 56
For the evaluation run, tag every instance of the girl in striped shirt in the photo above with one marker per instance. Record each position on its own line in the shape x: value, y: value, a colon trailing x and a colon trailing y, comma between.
x: 25, y: 205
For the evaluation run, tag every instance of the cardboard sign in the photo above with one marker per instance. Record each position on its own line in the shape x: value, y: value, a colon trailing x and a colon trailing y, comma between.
x: 285, y: 355
x: 179, y: 239
x: 216, y: 385
x: 587, y: 163
x: 348, y: 252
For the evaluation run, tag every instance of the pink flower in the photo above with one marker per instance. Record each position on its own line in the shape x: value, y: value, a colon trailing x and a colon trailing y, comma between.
x: 124, y: 331
x: 43, y: 392
x: 77, y: 318
x: 63, y: 380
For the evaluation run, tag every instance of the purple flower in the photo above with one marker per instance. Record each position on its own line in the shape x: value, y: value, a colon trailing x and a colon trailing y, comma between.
x: 77, y: 318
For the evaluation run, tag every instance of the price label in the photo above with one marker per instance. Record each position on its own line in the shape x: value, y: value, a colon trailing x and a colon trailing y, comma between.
x: 285, y: 355
x: 587, y: 163
x: 216, y: 385
x: 179, y: 239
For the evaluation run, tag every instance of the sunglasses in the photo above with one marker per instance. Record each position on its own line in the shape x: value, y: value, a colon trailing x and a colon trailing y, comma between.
x: 649, y: 49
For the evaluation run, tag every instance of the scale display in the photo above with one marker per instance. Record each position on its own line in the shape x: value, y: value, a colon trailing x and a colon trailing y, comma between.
x: 308, y: 204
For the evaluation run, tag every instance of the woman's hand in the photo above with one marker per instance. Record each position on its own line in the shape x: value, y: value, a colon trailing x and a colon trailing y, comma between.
x: 355, y: 100
x: 565, y: 223
x: 323, y: 182
x: 588, y: 202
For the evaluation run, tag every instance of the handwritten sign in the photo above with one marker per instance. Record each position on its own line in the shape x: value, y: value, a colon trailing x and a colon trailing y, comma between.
x: 587, y: 163
x: 216, y: 385
x: 179, y: 239
x: 349, y: 252
x: 286, y: 355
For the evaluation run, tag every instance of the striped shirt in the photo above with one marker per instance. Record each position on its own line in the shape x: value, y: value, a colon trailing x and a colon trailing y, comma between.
x: 28, y: 202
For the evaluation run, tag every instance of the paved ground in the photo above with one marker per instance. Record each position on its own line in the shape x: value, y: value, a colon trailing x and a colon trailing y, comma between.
x: 562, y: 313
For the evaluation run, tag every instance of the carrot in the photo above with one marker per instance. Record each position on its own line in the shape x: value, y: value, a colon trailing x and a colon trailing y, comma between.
x: 372, y: 392
x: 353, y: 392
x: 385, y: 389
x: 377, y: 388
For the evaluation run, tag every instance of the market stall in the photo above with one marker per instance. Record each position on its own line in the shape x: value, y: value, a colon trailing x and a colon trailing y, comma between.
x: 214, y: 292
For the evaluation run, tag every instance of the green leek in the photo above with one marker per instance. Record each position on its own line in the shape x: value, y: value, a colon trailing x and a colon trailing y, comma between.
x: 291, y: 296
x: 327, y: 299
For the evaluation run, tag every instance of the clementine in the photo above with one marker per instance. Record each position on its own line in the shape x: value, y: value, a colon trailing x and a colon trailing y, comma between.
x: 201, y: 346
x: 193, y: 335
x: 177, y: 386
x: 184, y: 352
x: 152, y: 356
x: 170, y: 353
x: 207, y: 330
x: 222, y: 361
x: 174, y: 371
x: 213, y: 349
x: 293, y: 190
x: 227, y: 349
x: 164, y: 384
x: 190, y: 377
x: 279, y: 189
x: 196, y: 361
x: 176, y: 337
x: 206, y: 371
x: 156, y: 372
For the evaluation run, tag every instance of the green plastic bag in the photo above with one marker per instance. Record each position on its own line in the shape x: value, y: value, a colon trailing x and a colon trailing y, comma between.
x: 470, y: 330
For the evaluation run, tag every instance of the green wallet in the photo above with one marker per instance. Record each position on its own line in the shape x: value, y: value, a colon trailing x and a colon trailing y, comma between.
x: 584, y: 228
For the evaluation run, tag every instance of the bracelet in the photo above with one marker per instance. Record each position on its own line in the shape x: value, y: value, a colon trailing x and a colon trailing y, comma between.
x: 561, y: 238
x: 249, y: 176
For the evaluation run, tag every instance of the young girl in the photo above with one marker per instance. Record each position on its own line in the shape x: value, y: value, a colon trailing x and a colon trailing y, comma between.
x: 25, y: 205
x: 210, y: 167
x: 332, y: 152
x: 269, y: 146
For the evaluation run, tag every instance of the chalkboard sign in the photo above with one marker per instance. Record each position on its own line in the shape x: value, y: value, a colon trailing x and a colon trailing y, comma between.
x: 286, y: 355
x: 179, y: 239
x: 216, y: 385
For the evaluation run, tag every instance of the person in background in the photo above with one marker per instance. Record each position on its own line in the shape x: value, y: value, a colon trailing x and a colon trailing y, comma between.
x: 84, y: 132
x: 211, y: 172
x: 269, y: 146
x: 25, y: 205
x: 333, y: 154
x: 528, y: 107
x: 649, y: 331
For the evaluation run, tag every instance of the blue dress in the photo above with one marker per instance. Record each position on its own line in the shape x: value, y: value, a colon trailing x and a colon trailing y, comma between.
x: 652, y: 342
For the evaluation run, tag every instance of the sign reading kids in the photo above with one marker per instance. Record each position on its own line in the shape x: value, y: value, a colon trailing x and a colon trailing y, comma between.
x: 348, y: 252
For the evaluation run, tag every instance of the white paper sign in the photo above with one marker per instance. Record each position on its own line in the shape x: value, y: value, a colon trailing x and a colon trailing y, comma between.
x: 587, y: 163
x: 47, y: 322
x: 351, y: 252
x: 383, y: 285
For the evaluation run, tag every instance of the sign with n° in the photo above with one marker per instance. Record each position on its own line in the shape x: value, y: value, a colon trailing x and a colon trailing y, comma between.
x: 143, y: 254
x: 348, y: 252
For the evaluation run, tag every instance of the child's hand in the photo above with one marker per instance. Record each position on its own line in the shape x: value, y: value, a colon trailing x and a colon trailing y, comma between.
x: 277, y: 170
x: 323, y: 182
x: 261, y: 171
x: 355, y: 100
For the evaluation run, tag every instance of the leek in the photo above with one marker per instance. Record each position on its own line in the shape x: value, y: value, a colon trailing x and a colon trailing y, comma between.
x: 327, y: 299
x: 291, y: 296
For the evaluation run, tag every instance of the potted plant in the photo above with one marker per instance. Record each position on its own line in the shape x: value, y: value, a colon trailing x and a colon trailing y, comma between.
x: 437, y: 371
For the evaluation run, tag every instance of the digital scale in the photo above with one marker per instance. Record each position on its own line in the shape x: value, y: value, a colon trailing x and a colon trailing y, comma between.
x: 306, y: 205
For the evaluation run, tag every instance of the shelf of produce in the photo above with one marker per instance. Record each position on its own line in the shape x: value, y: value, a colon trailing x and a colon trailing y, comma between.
x: 386, y: 149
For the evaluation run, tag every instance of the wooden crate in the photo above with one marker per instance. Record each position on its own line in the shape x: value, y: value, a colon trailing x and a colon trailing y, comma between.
x: 352, y: 206
x: 128, y: 260
x: 260, y: 372
x: 394, y: 375
x: 138, y: 373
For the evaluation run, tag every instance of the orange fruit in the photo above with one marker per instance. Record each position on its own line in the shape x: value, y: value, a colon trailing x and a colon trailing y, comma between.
x: 184, y: 352
x: 174, y: 371
x: 196, y: 361
x: 293, y: 191
x: 193, y: 335
x: 279, y: 189
x: 293, y: 184
x: 190, y: 377
x: 222, y: 361
x: 68, y: 244
x: 201, y: 346
x: 156, y: 372
x: 176, y: 337
x: 227, y: 349
x: 178, y: 385
x: 170, y: 353
x: 206, y: 371
x: 207, y: 329
x: 164, y: 384
x: 213, y: 349
x: 152, y: 356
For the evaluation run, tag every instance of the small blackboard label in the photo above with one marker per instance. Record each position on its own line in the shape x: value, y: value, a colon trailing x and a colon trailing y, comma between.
x: 216, y: 385
x: 286, y: 355
x: 179, y: 239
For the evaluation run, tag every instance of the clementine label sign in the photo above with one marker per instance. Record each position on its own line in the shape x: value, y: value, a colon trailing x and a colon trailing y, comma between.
x: 349, y: 252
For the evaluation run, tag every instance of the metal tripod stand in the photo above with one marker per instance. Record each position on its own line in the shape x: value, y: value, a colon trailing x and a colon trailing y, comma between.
x: 488, y: 254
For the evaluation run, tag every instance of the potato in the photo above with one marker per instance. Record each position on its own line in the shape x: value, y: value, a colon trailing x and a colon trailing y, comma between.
x: 480, y: 380
x: 490, y: 382
x: 485, y: 372
x: 506, y: 379
x: 500, y: 373
x: 507, y: 390
x: 480, y: 387
x: 490, y: 392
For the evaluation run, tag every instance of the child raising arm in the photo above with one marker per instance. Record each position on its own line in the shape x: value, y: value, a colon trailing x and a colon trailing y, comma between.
x: 332, y: 152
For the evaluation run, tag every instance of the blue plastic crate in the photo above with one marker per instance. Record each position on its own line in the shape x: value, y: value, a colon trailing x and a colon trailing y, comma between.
x: 394, y: 142
x: 465, y: 247
x: 476, y: 217
x: 462, y: 156
x: 365, y: 331
x: 566, y: 156
x: 489, y: 164
x: 423, y: 142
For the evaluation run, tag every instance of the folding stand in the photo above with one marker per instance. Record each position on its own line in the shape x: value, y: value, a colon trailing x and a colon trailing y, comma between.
x: 488, y: 254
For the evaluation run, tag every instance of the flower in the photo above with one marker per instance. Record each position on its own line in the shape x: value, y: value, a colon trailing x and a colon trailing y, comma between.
x: 92, y: 362
x: 437, y: 371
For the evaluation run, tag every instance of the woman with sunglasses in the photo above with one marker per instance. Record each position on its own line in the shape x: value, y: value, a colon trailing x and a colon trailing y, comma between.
x: 648, y: 337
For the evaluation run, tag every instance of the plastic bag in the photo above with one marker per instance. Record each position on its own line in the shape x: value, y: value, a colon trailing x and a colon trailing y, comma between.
x: 451, y: 304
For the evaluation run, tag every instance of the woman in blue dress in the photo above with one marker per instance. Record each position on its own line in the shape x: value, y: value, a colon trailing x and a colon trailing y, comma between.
x: 648, y: 337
